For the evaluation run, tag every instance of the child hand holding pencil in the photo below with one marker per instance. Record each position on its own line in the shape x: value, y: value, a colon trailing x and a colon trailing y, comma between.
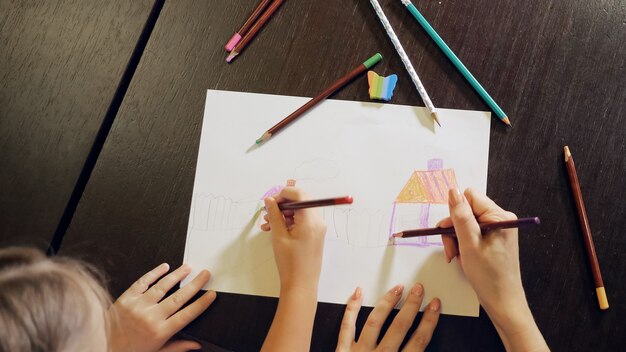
x: 298, y: 243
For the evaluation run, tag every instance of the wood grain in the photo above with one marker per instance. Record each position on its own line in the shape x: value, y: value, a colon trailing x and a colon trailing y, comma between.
x: 60, y: 65
x: 557, y: 68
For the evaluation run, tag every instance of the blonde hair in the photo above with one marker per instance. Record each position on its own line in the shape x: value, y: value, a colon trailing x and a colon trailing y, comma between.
x: 50, y: 304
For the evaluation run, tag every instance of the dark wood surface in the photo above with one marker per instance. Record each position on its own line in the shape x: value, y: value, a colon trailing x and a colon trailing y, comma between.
x: 61, y: 63
x: 556, y: 67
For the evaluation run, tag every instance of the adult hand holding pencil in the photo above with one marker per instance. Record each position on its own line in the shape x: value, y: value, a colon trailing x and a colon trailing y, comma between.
x: 490, y: 262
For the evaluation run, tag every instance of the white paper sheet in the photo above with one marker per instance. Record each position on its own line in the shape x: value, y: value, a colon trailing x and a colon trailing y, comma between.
x: 367, y: 150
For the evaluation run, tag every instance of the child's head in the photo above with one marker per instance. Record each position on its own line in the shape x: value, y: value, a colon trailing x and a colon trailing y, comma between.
x: 50, y: 304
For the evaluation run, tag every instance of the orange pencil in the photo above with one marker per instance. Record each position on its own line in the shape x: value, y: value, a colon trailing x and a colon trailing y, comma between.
x: 584, y: 224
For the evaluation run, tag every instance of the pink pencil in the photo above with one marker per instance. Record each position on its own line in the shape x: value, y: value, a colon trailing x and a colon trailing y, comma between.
x: 246, y: 26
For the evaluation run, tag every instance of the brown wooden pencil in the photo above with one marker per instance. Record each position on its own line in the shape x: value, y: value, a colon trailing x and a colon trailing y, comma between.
x: 484, y: 227
x: 254, y: 30
x: 315, y: 203
x: 247, y: 25
x: 323, y: 95
x: 584, y: 224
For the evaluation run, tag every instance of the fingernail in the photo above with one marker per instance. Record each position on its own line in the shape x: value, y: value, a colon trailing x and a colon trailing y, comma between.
x: 195, y: 346
x: 435, y: 305
x: 357, y: 293
x: 417, y: 290
x: 455, y: 197
x: 397, y: 290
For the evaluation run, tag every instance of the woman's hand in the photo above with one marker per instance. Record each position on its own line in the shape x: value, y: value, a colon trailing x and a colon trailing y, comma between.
x: 399, y: 327
x: 490, y: 262
x: 141, y: 320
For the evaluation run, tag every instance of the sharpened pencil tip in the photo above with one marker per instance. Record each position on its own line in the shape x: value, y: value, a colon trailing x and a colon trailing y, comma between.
x: 231, y: 56
x: 399, y: 234
x: 435, y: 117
x: 263, y: 138
x: 507, y: 121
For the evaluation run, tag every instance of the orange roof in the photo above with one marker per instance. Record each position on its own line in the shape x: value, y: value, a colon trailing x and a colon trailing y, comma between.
x: 428, y: 187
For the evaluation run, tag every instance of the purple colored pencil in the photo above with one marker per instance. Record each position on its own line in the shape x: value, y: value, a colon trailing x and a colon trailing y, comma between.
x: 485, y: 227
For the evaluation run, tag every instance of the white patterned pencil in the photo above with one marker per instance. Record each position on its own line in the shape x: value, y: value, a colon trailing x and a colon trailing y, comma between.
x: 405, y: 60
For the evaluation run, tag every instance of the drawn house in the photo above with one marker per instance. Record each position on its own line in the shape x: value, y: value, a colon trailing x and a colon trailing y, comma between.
x: 412, y: 205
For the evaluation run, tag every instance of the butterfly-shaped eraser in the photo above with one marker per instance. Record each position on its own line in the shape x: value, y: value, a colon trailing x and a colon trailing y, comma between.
x: 381, y: 87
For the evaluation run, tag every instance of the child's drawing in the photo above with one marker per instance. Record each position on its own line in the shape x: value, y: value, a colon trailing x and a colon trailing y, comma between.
x: 412, y: 205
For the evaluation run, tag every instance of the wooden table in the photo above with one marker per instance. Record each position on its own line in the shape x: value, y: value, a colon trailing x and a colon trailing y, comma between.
x: 556, y: 67
x: 62, y: 77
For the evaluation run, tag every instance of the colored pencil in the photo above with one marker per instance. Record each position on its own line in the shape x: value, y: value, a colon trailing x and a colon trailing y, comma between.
x: 247, y: 25
x: 315, y: 203
x: 405, y: 60
x: 584, y: 224
x: 254, y: 30
x: 457, y: 63
x: 369, y: 63
x: 484, y: 227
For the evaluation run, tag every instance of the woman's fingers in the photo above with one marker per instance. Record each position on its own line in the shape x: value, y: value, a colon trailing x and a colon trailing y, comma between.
x: 424, y: 332
x: 376, y: 319
x: 450, y: 247
x: 465, y: 224
x: 173, y: 302
x: 158, y: 290
x: 348, y: 324
x: 403, y: 320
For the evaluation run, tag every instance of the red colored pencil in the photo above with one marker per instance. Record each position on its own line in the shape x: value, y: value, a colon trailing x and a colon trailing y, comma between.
x: 584, y: 224
x: 315, y: 203
x: 246, y: 26
x: 254, y: 30
x: 484, y: 227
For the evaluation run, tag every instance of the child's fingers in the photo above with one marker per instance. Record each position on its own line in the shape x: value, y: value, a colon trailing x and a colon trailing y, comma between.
x: 140, y: 286
x: 181, y: 319
x: 274, y: 215
x: 348, y: 324
x: 291, y: 194
x: 424, y: 332
x: 181, y: 346
x: 376, y: 319
x: 403, y: 320
x: 266, y: 227
x: 158, y: 290
x: 172, y: 304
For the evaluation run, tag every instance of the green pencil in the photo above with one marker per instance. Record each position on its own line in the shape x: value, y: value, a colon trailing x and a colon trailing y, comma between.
x: 455, y: 60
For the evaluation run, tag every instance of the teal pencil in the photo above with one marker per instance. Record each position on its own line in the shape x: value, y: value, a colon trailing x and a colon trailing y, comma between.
x: 455, y: 60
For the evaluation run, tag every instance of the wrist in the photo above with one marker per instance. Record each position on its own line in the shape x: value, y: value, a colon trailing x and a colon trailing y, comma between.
x: 517, y: 328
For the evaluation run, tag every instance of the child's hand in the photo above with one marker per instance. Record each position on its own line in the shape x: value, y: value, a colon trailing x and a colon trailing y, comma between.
x: 399, y: 327
x: 298, y: 241
x: 141, y: 320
